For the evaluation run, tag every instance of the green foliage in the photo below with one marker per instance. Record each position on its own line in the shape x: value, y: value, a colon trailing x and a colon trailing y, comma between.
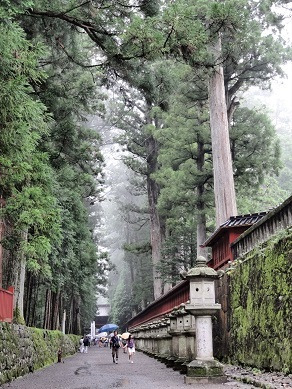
x: 267, y: 196
x: 27, y: 179
x: 71, y: 93
x: 10, y: 8
x: 51, y: 163
x: 255, y: 148
x: 137, y: 248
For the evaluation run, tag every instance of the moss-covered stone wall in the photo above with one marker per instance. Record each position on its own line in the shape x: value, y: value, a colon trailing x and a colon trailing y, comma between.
x: 23, y: 349
x: 260, y: 306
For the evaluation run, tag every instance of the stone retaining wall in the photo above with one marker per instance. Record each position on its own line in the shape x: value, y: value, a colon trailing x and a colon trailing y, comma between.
x: 24, y: 349
x: 255, y: 324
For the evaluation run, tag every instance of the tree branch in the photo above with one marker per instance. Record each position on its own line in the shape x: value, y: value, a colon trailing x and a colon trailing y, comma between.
x: 60, y: 44
x: 77, y: 6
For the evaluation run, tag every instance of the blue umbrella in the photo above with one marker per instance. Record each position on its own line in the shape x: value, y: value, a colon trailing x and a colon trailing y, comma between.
x: 108, y: 327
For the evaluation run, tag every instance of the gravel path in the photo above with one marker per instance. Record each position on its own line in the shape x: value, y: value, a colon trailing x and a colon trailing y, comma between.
x: 96, y: 370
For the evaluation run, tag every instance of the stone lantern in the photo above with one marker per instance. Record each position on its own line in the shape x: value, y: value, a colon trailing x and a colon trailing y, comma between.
x: 202, y: 305
x: 174, y: 339
x: 173, y: 321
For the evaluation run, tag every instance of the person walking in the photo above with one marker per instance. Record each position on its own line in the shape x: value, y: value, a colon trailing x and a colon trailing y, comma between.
x: 86, y: 343
x: 131, y: 348
x: 115, y: 344
x: 81, y: 348
x: 124, y: 343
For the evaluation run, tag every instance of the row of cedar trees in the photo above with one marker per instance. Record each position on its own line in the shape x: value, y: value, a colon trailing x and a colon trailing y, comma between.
x: 123, y: 55
x: 51, y: 174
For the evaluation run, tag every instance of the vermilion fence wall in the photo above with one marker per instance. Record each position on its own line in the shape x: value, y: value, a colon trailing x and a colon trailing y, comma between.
x: 6, y: 304
x: 165, y: 304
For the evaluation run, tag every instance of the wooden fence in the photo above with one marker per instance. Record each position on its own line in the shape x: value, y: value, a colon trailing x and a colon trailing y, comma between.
x: 6, y: 304
x: 163, y: 305
x: 278, y: 219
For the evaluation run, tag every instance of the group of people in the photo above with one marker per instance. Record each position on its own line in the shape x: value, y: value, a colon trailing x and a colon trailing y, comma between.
x: 116, y: 344
x: 103, y: 342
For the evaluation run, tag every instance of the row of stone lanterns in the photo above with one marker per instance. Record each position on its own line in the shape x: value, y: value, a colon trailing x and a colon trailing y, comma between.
x: 183, y: 338
x: 170, y: 339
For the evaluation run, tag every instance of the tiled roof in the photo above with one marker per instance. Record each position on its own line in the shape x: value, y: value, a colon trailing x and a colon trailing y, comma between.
x: 243, y: 220
x: 236, y: 221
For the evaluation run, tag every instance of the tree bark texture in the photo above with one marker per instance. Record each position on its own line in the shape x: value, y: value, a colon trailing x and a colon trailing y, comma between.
x: 157, y: 226
x: 201, y: 216
x: 32, y: 284
x: 20, y: 279
x: 225, y: 200
x: 74, y: 324
x: 48, y: 308
x: 28, y: 301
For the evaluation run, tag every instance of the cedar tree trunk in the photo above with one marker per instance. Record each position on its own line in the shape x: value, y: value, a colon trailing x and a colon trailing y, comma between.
x: 225, y: 201
x: 201, y: 222
x: 20, y: 279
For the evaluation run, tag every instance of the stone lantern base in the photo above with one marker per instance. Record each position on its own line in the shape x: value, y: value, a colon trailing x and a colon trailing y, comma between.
x: 170, y: 361
x: 163, y: 358
x: 205, y: 371
x: 179, y: 364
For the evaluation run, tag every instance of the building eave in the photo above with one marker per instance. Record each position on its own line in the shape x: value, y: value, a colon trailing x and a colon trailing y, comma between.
x: 234, y: 222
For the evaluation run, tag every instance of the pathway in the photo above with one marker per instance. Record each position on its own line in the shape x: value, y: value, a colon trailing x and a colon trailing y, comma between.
x: 96, y: 370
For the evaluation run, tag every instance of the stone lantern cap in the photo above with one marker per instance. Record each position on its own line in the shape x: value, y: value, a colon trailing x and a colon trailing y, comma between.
x: 201, y: 270
x: 181, y: 310
x: 174, y: 312
x: 164, y: 322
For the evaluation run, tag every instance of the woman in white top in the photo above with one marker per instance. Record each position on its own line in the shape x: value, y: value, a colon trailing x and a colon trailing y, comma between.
x: 131, y: 348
